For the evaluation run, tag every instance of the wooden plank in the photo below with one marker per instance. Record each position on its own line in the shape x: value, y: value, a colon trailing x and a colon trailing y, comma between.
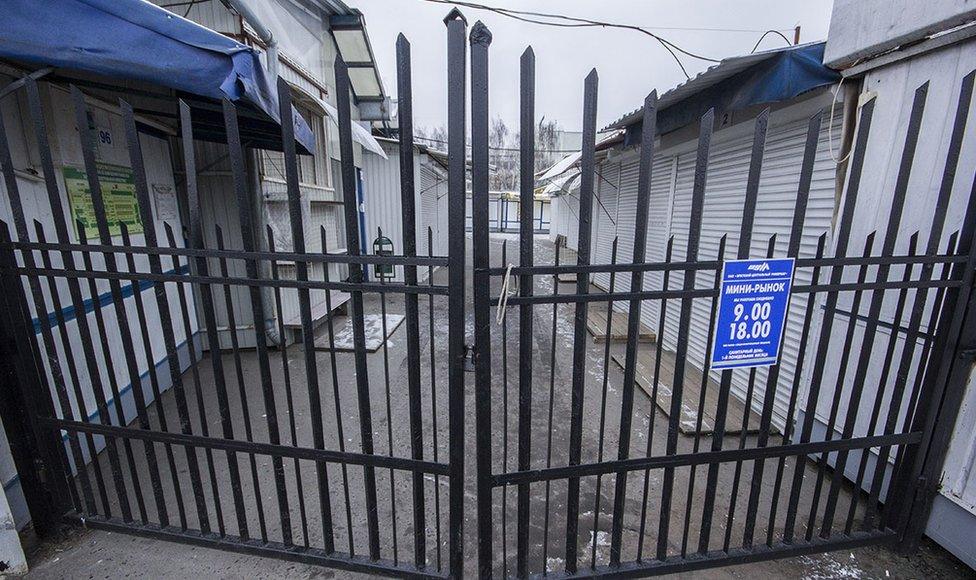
x: 596, y: 324
x: 692, y: 392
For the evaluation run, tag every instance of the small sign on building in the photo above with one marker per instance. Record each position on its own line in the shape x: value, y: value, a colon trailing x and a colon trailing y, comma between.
x: 753, y: 301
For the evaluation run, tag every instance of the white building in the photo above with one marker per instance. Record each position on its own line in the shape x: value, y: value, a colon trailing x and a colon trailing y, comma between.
x: 881, y: 50
x: 296, y: 39
x: 890, y: 49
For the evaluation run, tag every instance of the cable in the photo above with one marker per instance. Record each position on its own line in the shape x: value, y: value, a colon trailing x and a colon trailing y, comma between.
x: 767, y: 33
x: 574, y: 22
x: 830, y: 122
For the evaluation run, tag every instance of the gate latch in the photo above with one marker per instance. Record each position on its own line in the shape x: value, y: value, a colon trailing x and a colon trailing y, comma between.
x: 468, y: 358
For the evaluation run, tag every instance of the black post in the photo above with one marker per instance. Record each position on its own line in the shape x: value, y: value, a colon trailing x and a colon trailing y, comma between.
x: 34, y: 449
x: 456, y: 30
x: 480, y: 39
x: 526, y: 258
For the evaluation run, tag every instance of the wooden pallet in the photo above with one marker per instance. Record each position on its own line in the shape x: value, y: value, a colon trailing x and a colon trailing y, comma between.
x: 690, y: 396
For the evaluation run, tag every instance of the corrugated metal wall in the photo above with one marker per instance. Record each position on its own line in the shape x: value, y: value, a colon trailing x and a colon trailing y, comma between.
x: 670, y: 205
x: 66, y: 152
x: 895, y: 85
x: 381, y: 184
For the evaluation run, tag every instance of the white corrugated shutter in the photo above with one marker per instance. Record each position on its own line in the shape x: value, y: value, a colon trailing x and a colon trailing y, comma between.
x: 626, y: 222
x: 724, y: 195
x: 604, y: 220
x: 658, y: 231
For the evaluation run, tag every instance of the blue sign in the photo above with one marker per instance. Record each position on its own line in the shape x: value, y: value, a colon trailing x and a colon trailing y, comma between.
x: 753, y: 300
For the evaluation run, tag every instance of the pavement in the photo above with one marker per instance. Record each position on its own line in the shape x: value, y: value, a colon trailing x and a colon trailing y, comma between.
x: 84, y: 553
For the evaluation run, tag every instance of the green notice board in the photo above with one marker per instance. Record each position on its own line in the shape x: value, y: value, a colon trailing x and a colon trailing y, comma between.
x: 118, y: 192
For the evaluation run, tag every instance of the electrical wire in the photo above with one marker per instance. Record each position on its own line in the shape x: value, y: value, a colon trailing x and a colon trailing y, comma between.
x: 575, y: 22
x: 767, y: 33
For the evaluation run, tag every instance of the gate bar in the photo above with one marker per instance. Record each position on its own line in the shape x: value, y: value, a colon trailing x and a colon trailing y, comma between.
x: 305, y: 312
x: 350, y: 209
x: 250, y: 242
x: 194, y: 367
x: 882, y: 384
x: 241, y: 385
x: 699, y: 420
x: 694, y: 236
x: 743, y: 434
x: 648, y: 130
x: 86, y: 258
x: 579, y: 325
x: 337, y: 402
x: 794, y: 394
x: 433, y: 400
x: 651, y: 423
x: 552, y: 392
x: 603, y: 405
x: 897, y: 203
x: 843, y: 239
x: 702, y: 458
x: 209, y: 318
x: 80, y: 468
x: 749, y: 203
x: 411, y: 304
x: 841, y: 373
x: 163, y: 306
x: 772, y: 379
x: 190, y: 252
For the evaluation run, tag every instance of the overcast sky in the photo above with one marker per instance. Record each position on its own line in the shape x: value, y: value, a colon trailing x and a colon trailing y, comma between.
x: 630, y: 64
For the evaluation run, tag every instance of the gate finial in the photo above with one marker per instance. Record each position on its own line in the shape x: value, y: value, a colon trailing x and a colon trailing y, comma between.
x: 480, y: 34
x: 455, y: 14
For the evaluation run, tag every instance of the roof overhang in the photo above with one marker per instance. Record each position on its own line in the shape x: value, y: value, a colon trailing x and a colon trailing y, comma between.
x: 349, y: 31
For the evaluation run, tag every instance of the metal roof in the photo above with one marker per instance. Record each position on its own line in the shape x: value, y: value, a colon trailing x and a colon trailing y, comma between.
x: 711, y: 76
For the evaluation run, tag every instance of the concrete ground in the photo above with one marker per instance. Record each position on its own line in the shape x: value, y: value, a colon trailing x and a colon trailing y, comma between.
x: 100, y: 554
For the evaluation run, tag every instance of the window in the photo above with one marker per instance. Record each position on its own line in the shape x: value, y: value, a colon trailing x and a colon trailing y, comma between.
x: 313, y: 170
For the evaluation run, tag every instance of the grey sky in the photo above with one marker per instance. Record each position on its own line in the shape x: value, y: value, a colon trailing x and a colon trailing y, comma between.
x: 630, y: 64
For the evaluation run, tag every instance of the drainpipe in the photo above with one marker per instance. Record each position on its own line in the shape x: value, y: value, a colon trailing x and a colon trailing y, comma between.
x: 271, y: 52
x: 264, y: 33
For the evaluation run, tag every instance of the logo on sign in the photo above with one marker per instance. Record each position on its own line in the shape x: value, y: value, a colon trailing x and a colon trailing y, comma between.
x: 764, y: 267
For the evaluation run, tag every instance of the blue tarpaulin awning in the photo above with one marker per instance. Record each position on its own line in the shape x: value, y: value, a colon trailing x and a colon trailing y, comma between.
x: 737, y: 82
x: 136, y: 40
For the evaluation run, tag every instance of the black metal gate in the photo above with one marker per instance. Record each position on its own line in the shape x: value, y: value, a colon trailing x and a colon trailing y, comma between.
x: 203, y: 479
x: 695, y: 501
x: 199, y: 461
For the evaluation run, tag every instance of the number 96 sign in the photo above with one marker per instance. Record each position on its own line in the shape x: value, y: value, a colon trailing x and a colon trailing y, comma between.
x: 753, y: 301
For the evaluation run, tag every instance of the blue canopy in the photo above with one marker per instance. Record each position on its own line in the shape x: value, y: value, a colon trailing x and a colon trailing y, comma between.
x: 737, y: 82
x: 136, y: 40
